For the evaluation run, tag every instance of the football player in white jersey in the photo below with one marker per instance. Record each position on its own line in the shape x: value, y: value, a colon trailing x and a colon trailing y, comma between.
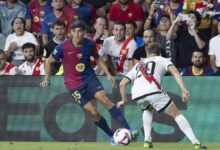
x: 147, y: 90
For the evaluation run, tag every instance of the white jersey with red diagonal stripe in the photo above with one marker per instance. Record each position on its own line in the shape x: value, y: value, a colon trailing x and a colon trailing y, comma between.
x: 147, y: 76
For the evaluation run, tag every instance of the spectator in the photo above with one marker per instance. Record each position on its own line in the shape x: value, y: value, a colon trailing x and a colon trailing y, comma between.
x: 140, y: 53
x: 35, y: 12
x: 79, y: 10
x: 32, y: 65
x: 214, y: 51
x: 5, y: 67
x: 167, y: 46
x: 126, y: 10
x: 59, y: 30
x: 198, y: 67
x: 131, y: 26
x: 15, y: 40
x: 101, y: 33
x: 101, y: 6
x: 188, y: 39
x: 119, y: 50
x: 10, y: 10
x: 57, y: 14
x: 2, y: 41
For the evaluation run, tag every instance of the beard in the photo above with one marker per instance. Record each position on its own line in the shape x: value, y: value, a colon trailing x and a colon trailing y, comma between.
x: 198, y: 64
x: 29, y: 58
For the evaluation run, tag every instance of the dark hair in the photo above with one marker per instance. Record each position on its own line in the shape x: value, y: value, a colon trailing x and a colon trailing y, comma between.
x: 28, y: 45
x: 13, y: 21
x: 133, y: 23
x: 154, y: 48
x: 197, y: 15
x: 59, y: 23
x: 165, y: 16
x: 78, y: 24
x: 119, y: 23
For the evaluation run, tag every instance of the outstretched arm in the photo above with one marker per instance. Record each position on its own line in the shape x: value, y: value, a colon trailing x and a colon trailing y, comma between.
x: 48, y: 64
x: 178, y: 78
x: 122, y: 87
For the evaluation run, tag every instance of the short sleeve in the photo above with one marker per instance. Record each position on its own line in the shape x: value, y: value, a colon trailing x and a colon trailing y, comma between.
x: 58, y: 52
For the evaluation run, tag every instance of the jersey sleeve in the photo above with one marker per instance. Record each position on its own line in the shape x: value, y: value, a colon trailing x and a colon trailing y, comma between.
x: 58, y: 52
x: 132, y: 48
x: 167, y: 63
x: 131, y: 75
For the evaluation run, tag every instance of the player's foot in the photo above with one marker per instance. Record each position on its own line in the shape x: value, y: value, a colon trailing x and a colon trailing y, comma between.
x: 199, y: 146
x: 112, y: 141
x: 134, y: 134
x: 148, y: 144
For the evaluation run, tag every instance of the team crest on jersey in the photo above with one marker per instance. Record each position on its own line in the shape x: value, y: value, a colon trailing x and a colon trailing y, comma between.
x: 92, y: 58
x: 124, y: 51
x: 80, y: 67
x: 42, y: 13
x: 130, y: 15
x: 79, y: 55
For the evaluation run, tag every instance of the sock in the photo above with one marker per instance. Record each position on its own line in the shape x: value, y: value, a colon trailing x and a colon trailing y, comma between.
x: 104, y: 126
x: 117, y: 115
x: 186, y: 128
x: 147, y: 118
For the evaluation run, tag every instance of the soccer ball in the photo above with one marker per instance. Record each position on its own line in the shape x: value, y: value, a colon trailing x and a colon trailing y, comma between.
x: 122, y: 136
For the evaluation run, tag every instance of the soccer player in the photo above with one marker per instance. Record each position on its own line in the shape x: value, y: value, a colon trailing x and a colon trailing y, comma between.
x: 147, y: 90
x: 81, y: 80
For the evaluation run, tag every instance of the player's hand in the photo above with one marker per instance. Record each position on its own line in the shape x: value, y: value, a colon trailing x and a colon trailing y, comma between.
x: 120, y: 104
x: 45, y: 83
x: 185, y: 95
x: 112, y: 80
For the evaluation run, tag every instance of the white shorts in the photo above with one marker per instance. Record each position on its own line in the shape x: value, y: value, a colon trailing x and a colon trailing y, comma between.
x: 159, y: 101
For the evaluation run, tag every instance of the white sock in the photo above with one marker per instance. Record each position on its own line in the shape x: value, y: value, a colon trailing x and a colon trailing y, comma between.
x: 186, y: 128
x: 147, y: 123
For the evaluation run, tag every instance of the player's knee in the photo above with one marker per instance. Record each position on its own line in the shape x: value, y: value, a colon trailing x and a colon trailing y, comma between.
x: 95, y: 115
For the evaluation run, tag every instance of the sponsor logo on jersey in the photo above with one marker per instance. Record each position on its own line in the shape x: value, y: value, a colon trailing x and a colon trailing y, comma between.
x: 80, y: 67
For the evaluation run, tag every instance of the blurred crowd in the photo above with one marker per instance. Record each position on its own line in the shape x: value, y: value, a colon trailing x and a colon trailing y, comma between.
x: 188, y: 32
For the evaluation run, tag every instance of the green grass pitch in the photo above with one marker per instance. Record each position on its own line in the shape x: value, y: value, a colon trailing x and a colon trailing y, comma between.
x: 95, y: 146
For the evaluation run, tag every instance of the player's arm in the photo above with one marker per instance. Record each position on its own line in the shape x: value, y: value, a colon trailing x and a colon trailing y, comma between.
x: 173, y: 70
x: 103, y: 66
x: 122, y: 87
x: 48, y: 65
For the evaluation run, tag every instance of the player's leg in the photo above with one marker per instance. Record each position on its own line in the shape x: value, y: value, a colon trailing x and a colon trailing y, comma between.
x: 147, y: 117
x: 83, y: 98
x: 102, y: 98
x: 183, y: 124
x: 97, y: 118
